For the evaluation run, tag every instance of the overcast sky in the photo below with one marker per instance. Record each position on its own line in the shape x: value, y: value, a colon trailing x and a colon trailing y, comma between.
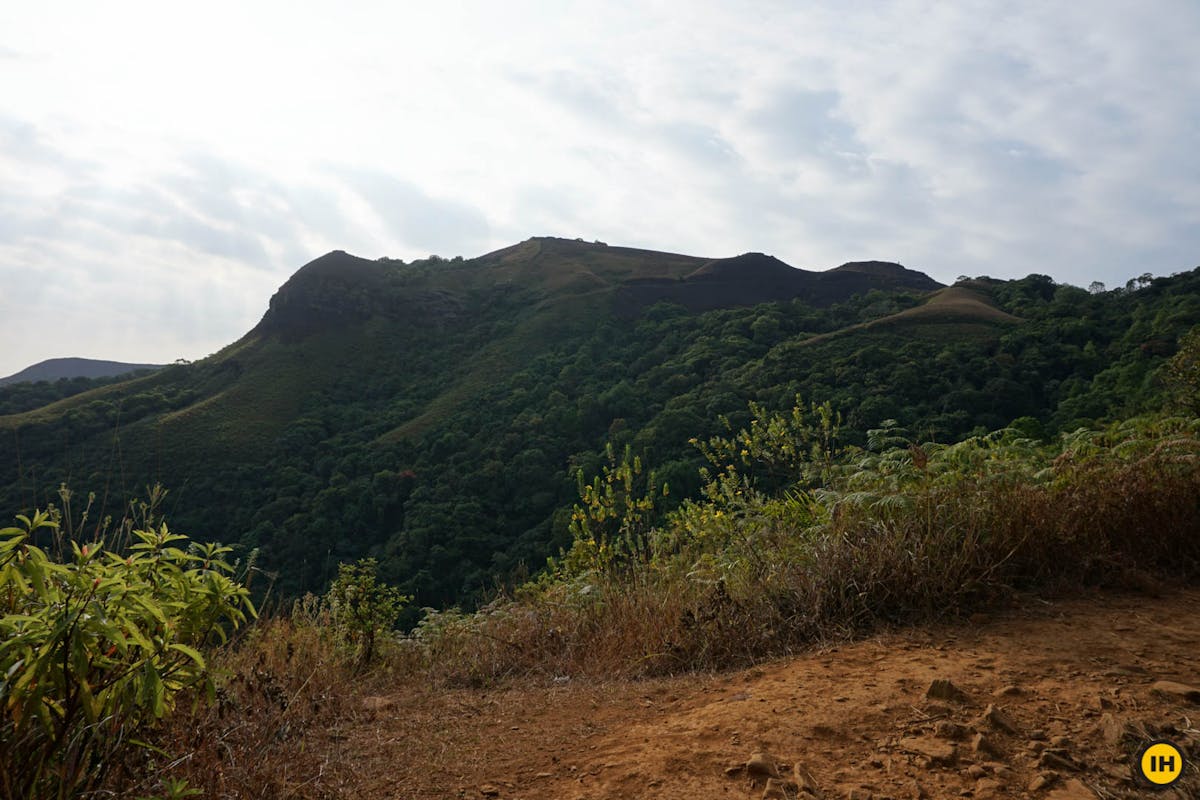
x: 164, y: 168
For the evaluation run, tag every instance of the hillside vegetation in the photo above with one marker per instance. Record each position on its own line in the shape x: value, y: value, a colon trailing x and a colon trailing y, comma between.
x: 713, y: 487
x: 433, y: 414
x: 796, y: 540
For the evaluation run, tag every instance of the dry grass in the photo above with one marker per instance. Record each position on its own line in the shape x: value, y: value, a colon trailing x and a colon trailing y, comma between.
x: 952, y: 305
x: 1122, y: 517
x: 272, y: 729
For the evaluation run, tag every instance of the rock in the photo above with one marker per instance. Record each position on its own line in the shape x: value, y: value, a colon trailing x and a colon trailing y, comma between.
x: 1072, y: 790
x: 1043, y: 780
x: 1037, y: 735
x: 1056, y: 759
x: 1115, y: 731
x: 984, y: 746
x: 987, y: 787
x: 951, y: 730
x: 938, y: 753
x: 762, y: 766
x: 487, y: 790
x: 942, y: 689
x: 979, y: 618
x: 735, y: 770
x: 1009, y: 691
x: 858, y: 794
x: 976, y: 771
x: 775, y: 790
x: 1176, y: 691
x: 997, y: 720
x: 804, y: 779
x: 1060, y: 741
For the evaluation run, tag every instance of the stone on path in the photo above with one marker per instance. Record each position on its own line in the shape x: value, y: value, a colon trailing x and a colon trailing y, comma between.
x: 943, y: 689
x: 1173, y: 690
x: 762, y: 766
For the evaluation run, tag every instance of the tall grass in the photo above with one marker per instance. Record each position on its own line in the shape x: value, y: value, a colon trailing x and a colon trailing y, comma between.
x: 907, y: 534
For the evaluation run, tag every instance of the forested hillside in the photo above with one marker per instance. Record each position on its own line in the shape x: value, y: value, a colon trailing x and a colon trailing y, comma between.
x: 434, y: 414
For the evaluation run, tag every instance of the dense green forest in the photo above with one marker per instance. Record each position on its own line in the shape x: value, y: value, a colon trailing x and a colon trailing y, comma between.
x: 435, y: 414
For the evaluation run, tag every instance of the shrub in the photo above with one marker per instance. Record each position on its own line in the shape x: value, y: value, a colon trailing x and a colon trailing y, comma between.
x: 95, y: 647
x: 361, y: 608
x: 807, y: 543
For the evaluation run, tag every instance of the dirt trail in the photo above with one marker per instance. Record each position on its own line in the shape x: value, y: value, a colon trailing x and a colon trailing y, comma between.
x: 1074, y: 683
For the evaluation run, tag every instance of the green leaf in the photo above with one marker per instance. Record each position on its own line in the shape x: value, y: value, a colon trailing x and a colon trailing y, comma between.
x: 190, y: 652
x: 152, y: 690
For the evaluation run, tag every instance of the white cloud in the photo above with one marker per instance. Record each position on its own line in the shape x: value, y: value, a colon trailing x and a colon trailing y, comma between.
x: 184, y: 163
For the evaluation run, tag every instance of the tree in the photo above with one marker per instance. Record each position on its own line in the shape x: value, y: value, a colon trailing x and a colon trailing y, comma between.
x: 1181, y: 373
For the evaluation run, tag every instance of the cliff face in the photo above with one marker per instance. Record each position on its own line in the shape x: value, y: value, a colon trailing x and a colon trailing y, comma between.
x: 338, y: 289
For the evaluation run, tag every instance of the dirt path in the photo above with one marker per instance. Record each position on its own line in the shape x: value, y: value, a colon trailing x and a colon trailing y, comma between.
x: 1073, y: 683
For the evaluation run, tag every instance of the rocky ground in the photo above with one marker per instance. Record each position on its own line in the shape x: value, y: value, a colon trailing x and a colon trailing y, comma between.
x: 1045, y: 700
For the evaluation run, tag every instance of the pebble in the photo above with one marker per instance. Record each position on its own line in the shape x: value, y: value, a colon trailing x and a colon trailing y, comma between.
x: 1072, y: 790
x: 804, y: 779
x: 938, y: 753
x: 982, y: 744
x: 775, y: 790
x: 951, y: 730
x: 1052, y: 759
x: 1042, y: 780
x: 762, y: 765
x: 943, y: 689
x: 997, y: 719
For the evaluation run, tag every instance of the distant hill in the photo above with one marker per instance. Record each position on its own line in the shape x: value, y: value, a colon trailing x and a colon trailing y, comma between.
x: 433, y: 413
x: 57, y: 368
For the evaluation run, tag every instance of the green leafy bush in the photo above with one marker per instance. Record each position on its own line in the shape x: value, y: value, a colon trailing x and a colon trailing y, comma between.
x: 361, y: 608
x: 96, y: 645
x: 612, y: 527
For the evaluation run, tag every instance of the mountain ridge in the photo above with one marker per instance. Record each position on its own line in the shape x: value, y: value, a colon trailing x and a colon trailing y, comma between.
x: 53, y: 369
x: 334, y: 284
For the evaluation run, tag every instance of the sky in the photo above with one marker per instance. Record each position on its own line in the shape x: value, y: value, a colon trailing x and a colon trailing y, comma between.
x: 165, y: 167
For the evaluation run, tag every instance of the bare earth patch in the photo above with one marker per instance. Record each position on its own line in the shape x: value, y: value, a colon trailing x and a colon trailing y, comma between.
x: 1054, y: 698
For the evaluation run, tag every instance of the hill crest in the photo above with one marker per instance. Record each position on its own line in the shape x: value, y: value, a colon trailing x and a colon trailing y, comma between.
x: 53, y: 369
x: 339, y: 287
